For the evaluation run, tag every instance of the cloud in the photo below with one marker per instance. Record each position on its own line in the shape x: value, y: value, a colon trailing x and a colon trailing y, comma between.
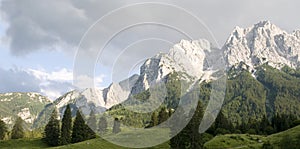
x: 52, y: 84
x: 36, y: 25
x: 84, y: 81
x: 60, y: 75
x: 14, y: 80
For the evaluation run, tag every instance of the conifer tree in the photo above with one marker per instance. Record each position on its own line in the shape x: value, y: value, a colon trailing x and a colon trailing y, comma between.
x: 190, y: 137
x: 102, y: 125
x: 80, y: 130
x: 92, y: 122
x: 117, y: 125
x: 180, y: 140
x: 163, y: 115
x: 66, y: 127
x: 154, y: 119
x: 3, y: 130
x: 52, y: 130
x: 193, y: 128
x: 17, y: 131
x: 92, y: 125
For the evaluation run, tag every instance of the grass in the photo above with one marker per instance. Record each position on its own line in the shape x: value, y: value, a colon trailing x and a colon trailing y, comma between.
x: 22, y: 144
x: 235, y: 141
x: 241, y: 141
x: 291, y: 134
x: 126, y: 138
x: 90, y: 144
x: 246, y: 141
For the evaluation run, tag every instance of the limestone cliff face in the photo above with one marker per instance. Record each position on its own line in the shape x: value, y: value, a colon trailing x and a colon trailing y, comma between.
x: 263, y: 43
x: 187, y: 57
x: 96, y: 99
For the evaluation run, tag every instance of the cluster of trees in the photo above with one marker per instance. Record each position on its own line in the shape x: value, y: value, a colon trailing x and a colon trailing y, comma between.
x: 66, y: 132
x: 278, y: 123
x: 16, y: 133
x: 190, y: 137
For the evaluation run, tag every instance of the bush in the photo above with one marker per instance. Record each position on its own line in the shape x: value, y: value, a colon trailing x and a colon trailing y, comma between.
x: 221, y: 131
x: 251, y: 131
x: 267, y: 145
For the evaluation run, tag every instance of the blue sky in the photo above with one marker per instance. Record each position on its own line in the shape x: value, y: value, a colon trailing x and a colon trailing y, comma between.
x: 39, y: 40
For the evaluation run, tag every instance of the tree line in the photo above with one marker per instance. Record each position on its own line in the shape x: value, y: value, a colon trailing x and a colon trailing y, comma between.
x: 16, y: 133
x: 190, y: 138
x: 68, y: 131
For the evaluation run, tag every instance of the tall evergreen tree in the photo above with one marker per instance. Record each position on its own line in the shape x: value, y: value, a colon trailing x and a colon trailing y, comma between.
x: 154, y: 119
x: 117, y: 125
x: 102, y: 125
x: 179, y: 140
x: 163, y: 115
x: 18, y: 131
x: 66, y: 127
x: 222, y: 122
x: 52, y: 130
x: 3, y: 130
x: 189, y: 137
x: 92, y: 125
x: 80, y: 129
x: 193, y: 128
x: 264, y: 123
x: 92, y: 122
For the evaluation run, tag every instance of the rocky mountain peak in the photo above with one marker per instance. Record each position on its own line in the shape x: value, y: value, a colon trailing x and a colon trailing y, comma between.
x: 262, y: 43
x: 186, y: 56
x: 97, y: 99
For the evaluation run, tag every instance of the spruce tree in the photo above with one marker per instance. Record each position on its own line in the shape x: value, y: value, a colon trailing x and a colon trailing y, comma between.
x: 80, y: 129
x: 195, y: 137
x: 92, y: 122
x: 189, y: 137
x: 222, y: 123
x: 154, y: 119
x: 163, y: 115
x: 179, y: 140
x: 102, y: 125
x: 117, y: 125
x: 66, y: 127
x: 3, y: 130
x: 264, y: 123
x: 92, y: 125
x: 52, y: 130
x: 17, y: 131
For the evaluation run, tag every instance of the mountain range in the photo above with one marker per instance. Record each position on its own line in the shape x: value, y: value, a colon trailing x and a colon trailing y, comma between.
x: 257, y: 60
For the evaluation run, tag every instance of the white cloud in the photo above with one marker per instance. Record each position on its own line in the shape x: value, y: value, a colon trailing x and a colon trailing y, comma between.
x: 62, y: 75
x: 84, y: 81
x: 51, y: 84
x: 35, y: 25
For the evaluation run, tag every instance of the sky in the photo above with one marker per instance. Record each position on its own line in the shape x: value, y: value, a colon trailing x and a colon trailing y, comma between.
x: 56, y: 46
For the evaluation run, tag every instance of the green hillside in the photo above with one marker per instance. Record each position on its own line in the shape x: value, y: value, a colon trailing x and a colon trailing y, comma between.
x: 289, y: 137
x: 97, y: 143
x: 249, y: 96
x: 244, y: 141
x: 25, y: 105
